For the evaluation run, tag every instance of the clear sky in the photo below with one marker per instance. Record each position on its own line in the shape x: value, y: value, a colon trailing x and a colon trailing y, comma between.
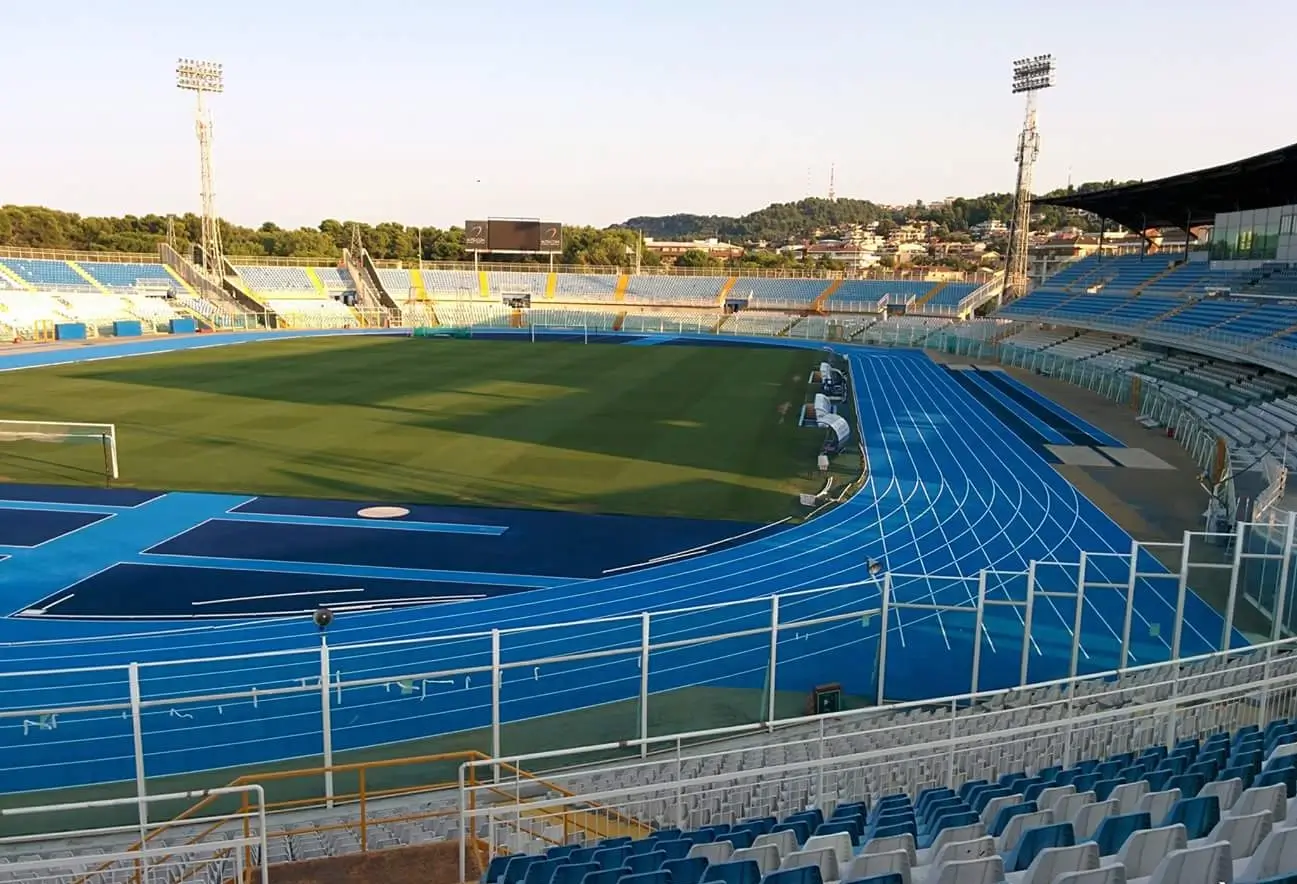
x: 591, y: 111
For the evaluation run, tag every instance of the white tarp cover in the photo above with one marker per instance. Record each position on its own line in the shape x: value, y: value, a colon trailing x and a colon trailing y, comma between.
x: 837, y: 423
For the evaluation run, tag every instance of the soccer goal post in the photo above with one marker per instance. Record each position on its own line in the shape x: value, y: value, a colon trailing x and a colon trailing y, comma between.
x: 66, y: 434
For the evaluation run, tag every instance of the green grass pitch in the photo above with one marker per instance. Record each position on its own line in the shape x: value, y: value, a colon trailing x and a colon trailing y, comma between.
x: 707, y: 432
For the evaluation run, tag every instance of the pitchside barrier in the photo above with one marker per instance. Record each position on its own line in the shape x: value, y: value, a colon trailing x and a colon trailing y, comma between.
x: 195, y: 846
x: 754, y: 662
x: 704, y: 777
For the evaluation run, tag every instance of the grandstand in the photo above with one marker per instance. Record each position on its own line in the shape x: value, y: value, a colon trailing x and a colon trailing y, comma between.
x: 1181, y: 771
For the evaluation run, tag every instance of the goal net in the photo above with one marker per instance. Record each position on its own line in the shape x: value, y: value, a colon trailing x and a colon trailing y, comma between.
x: 54, y: 432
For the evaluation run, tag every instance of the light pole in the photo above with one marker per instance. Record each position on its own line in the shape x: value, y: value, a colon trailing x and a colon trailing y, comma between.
x: 1030, y: 75
x: 202, y: 77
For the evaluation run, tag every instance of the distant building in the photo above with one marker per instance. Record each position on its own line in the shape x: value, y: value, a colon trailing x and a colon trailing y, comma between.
x: 989, y: 229
x: 713, y: 247
x: 849, y: 254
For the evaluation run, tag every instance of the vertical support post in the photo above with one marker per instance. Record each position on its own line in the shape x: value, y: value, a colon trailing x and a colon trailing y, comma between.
x: 977, y: 633
x: 495, y: 702
x: 1077, y: 620
x: 1280, y: 606
x: 954, y: 734
x: 882, y: 637
x: 774, y: 657
x: 1024, y: 665
x: 643, y: 684
x: 1177, y: 628
x: 1240, y: 532
x: 364, y: 813
x: 326, y: 720
x: 1131, y: 580
x: 137, y: 734
x: 463, y: 827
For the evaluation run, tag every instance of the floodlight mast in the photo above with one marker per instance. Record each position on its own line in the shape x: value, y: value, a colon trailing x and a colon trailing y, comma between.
x: 1030, y: 75
x: 201, y: 78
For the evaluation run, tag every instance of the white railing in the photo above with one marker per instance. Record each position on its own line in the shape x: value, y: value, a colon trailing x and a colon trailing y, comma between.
x: 689, y: 779
x: 216, y: 847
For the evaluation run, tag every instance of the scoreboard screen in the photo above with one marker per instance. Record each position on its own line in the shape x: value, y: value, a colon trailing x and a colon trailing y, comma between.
x: 513, y: 235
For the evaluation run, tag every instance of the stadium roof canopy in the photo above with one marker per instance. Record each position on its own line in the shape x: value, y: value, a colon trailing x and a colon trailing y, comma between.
x: 1195, y: 198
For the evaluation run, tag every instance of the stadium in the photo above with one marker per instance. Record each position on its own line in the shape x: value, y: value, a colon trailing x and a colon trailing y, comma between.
x: 538, y: 574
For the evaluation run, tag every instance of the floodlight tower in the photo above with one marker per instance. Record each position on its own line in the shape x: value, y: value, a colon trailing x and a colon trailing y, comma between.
x: 201, y: 78
x: 1030, y: 75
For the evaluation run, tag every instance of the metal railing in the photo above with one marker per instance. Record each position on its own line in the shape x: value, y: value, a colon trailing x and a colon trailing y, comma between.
x: 819, y: 761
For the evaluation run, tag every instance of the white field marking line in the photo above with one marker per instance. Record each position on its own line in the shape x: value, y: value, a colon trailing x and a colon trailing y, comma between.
x: 1050, y: 488
x: 997, y: 433
x: 273, y: 595
x: 697, y: 549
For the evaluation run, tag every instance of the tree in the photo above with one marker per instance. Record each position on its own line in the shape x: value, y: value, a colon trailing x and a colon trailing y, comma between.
x: 697, y: 258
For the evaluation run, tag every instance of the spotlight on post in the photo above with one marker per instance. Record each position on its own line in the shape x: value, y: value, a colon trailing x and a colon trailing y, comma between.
x: 1030, y: 75
x: 203, y: 78
x: 875, y: 568
x: 323, y: 617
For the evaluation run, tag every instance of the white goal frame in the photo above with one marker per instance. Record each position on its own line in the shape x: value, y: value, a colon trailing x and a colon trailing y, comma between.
x: 64, y: 431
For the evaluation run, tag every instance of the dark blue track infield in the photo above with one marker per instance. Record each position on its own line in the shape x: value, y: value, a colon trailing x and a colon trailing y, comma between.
x: 71, y: 494
x: 540, y: 543
x: 32, y: 527
x: 221, y: 593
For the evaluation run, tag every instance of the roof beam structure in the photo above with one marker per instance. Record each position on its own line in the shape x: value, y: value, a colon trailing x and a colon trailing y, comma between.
x: 1194, y: 198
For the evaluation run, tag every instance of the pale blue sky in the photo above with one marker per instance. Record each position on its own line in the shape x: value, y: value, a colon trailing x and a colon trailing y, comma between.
x: 590, y: 112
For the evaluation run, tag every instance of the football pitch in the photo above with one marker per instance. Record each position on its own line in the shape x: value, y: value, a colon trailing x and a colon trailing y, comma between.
x: 698, y: 431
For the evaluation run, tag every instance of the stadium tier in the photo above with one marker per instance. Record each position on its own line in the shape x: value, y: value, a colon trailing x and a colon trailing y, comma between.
x: 278, y: 279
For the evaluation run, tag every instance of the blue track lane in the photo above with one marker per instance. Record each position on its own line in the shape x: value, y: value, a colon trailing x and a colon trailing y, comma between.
x: 952, y: 490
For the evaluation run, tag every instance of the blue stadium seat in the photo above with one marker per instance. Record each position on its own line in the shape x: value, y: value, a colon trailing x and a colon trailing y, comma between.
x: 618, y: 841
x: 1034, y: 841
x: 542, y: 871
x: 740, y: 839
x: 947, y: 821
x: 676, y: 848
x: 558, y: 851
x: 610, y: 857
x: 495, y: 868
x: 1189, y: 784
x: 699, y: 836
x: 885, y: 878
x: 583, y: 855
x: 637, y: 863
x: 1198, y: 815
x: 800, y: 828
x: 851, y: 827
x: 574, y: 872
x: 1001, y: 821
x: 1287, y: 776
x: 516, y: 869
x: 814, y: 816
x: 644, y: 845
x: 656, y: 876
x: 759, y: 825
x: 742, y: 872
x: 603, y: 876
x: 1103, y: 788
x: 799, y: 875
x: 1114, y: 830
x: 686, y: 871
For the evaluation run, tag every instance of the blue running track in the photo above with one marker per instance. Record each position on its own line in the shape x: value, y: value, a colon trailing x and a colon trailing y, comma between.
x: 953, y: 489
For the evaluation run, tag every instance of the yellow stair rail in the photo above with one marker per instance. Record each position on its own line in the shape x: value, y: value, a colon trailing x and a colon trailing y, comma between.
x: 823, y: 297
x: 926, y: 297
x: 185, y: 287
x: 417, y: 283
x: 551, y: 286
x: 483, y: 284
x: 623, y: 281
x: 317, y: 283
x: 14, y: 278
x: 81, y: 272
x: 728, y: 287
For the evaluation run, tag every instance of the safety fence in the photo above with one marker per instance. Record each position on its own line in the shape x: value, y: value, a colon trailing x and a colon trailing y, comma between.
x: 631, y: 678
x: 706, y: 778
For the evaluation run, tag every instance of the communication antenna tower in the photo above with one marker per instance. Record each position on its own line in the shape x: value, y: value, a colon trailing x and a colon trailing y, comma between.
x: 1030, y: 75
x: 202, y: 78
x: 833, y: 168
x: 171, y: 232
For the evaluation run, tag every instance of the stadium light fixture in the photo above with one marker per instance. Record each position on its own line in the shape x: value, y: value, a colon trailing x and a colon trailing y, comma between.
x: 1033, y: 74
x: 205, y: 78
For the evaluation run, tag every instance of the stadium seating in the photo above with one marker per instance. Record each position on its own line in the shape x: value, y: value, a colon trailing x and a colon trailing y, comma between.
x: 585, y: 287
x: 129, y: 276
x: 953, y: 293
x: 46, y: 274
x: 451, y: 283
x: 276, y: 279
x: 700, y: 291
x: 314, y: 312
x: 788, y: 293
x: 335, y: 280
